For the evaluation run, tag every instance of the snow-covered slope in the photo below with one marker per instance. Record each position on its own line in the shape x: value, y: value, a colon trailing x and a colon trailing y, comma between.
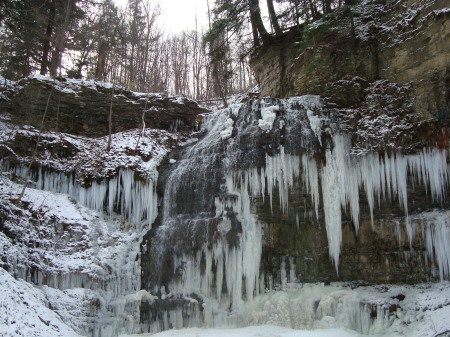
x: 76, y: 231
x: 24, y: 311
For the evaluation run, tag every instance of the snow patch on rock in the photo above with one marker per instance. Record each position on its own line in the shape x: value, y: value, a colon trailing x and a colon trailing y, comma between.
x: 268, y: 115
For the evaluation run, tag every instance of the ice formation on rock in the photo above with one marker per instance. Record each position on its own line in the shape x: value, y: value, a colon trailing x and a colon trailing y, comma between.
x: 133, y: 198
x: 210, y: 194
x: 343, y: 176
x: 205, y: 253
x: 102, y: 270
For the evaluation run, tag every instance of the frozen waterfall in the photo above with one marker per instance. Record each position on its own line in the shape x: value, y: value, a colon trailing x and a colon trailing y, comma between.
x: 207, y: 249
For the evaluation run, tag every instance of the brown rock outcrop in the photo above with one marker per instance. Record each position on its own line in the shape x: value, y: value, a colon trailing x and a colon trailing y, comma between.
x: 82, y: 107
x: 339, y: 57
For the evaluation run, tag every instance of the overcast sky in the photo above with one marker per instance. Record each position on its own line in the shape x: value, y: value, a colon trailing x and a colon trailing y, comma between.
x: 179, y: 15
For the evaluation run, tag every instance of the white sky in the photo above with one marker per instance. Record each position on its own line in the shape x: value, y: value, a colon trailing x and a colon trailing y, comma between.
x: 179, y: 15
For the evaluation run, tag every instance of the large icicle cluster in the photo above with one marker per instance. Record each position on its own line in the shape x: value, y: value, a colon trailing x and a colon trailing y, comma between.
x: 233, y: 263
x: 344, y: 176
x: 134, y: 199
x: 382, y: 178
x: 86, y: 246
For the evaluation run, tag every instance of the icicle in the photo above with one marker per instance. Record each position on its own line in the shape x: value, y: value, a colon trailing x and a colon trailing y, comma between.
x: 438, y: 241
x: 137, y: 199
x: 311, y: 181
x: 292, y: 277
x: 332, y: 207
x: 342, y: 177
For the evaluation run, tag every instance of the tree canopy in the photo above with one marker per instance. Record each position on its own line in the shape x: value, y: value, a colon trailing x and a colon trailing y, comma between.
x: 96, y: 39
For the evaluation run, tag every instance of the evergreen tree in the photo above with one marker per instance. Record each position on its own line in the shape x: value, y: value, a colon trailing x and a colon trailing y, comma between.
x: 34, y: 35
x: 234, y: 16
x: 21, y: 32
x: 68, y: 13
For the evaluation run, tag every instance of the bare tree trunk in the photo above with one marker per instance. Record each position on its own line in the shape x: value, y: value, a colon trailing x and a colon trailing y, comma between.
x: 47, y: 39
x: 313, y: 8
x: 101, y: 60
x: 326, y: 6
x: 256, y: 21
x: 108, y: 147
x: 209, y: 14
x: 255, y: 34
x: 57, y: 115
x: 59, y: 45
x: 143, y: 126
x: 273, y: 18
x: 27, y: 172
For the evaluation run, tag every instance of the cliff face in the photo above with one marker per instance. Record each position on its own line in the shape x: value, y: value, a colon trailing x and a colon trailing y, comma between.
x: 384, y: 69
x: 82, y: 107
x: 344, y: 56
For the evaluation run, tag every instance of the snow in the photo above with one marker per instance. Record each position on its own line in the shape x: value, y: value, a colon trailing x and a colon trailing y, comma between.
x: 228, y: 129
x: 137, y: 199
x: 86, y: 259
x: 89, y: 248
x: 257, y: 331
x: 5, y: 85
x: 268, y: 115
x: 80, y: 242
x: 77, y: 86
x: 338, y: 310
x: 442, y: 11
x: 343, y: 176
x: 24, y: 311
x: 235, y: 109
x: 89, y: 158
x: 80, y: 238
x: 226, y: 275
x: 311, y: 103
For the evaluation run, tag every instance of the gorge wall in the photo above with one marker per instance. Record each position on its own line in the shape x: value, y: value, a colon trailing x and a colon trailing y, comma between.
x: 278, y: 192
x: 176, y: 227
x: 273, y: 195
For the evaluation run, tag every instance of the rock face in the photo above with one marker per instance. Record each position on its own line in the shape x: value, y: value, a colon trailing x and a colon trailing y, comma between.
x: 342, y: 57
x: 83, y: 107
x: 386, y: 64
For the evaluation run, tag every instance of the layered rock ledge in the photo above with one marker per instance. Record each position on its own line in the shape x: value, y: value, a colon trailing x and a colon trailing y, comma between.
x: 83, y: 107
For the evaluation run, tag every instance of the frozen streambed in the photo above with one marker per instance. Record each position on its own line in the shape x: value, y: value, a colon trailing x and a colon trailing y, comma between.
x: 413, y: 311
x: 423, y: 312
x: 254, y: 331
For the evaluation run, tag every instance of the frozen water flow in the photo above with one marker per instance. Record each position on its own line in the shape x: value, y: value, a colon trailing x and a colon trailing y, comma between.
x: 268, y: 115
x: 343, y: 176
x: 134, y: 199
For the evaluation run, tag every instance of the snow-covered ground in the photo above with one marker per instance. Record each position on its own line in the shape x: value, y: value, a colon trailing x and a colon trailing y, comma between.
x: 87, y: 157
x: 24, y: 311
x: 254, y: 331
x: 27, y: 310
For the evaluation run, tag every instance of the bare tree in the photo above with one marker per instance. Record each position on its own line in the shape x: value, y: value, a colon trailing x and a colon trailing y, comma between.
x: 108, y: 146
x: 34, y: 156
